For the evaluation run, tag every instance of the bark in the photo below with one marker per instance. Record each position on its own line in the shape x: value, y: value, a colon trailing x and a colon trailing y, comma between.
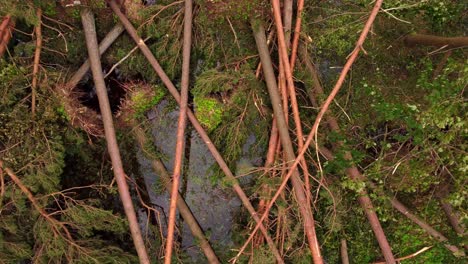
x: 287, y: 18
x: 426, y: 227
x: 5, y: 33
x: 179, y: 149
x: 453, y: 219
x: 196, y: 124
x: 344, y: 252
x: 112, y: 145
x: 282, y: 49
x: 103, y: 46
x: 297, y: 33
x: 406, y: 212
x: 435, y: 41
x: 309, y: 225
x: 386, y: 250
x: 4, y: 25
x: 184, y: 210
x: 441, y: 64
x: 37, y: 59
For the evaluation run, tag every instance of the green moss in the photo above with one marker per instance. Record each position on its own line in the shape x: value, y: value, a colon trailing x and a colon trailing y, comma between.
x: 141, y: 102
x: 208, y: 111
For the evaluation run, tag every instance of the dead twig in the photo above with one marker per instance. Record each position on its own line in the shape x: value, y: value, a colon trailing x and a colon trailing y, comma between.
x: 55, y: 224
x: 409, y: 256
x: 59, y: 33
x: 123, y: 59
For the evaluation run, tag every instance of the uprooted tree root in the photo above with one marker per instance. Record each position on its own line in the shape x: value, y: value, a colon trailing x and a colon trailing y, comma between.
x: 79, y: 115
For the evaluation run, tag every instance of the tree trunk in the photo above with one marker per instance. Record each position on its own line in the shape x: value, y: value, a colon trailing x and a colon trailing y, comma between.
x: 435, y: 41
x: 184, y: 210
x: 196, y: 124
x: 181, y: 124
x: 309, y: 224
x: 112, y: 145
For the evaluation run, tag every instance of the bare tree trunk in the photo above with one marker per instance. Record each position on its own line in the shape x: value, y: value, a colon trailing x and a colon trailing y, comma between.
x: 113, y: 34
x: 112, y: 145
x: 435, y: 41
x: 309, y: 224
x: 386, y: 250
x: 179, y: 149
x: 287, y: 18
x: 353, y: 172
x: 406, y: 212
x: 431, y: 231
x: 297, y: 32
x: 184, y: 210
x: 453, y: 218
x: 344, y: 252
x: 196, y: 124
x: 284, y: 60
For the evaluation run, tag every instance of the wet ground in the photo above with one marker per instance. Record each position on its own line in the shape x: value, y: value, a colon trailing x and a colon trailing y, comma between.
x: 214, y: 207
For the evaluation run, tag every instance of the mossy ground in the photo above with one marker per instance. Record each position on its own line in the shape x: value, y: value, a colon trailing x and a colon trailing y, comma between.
x: 406, y: 129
